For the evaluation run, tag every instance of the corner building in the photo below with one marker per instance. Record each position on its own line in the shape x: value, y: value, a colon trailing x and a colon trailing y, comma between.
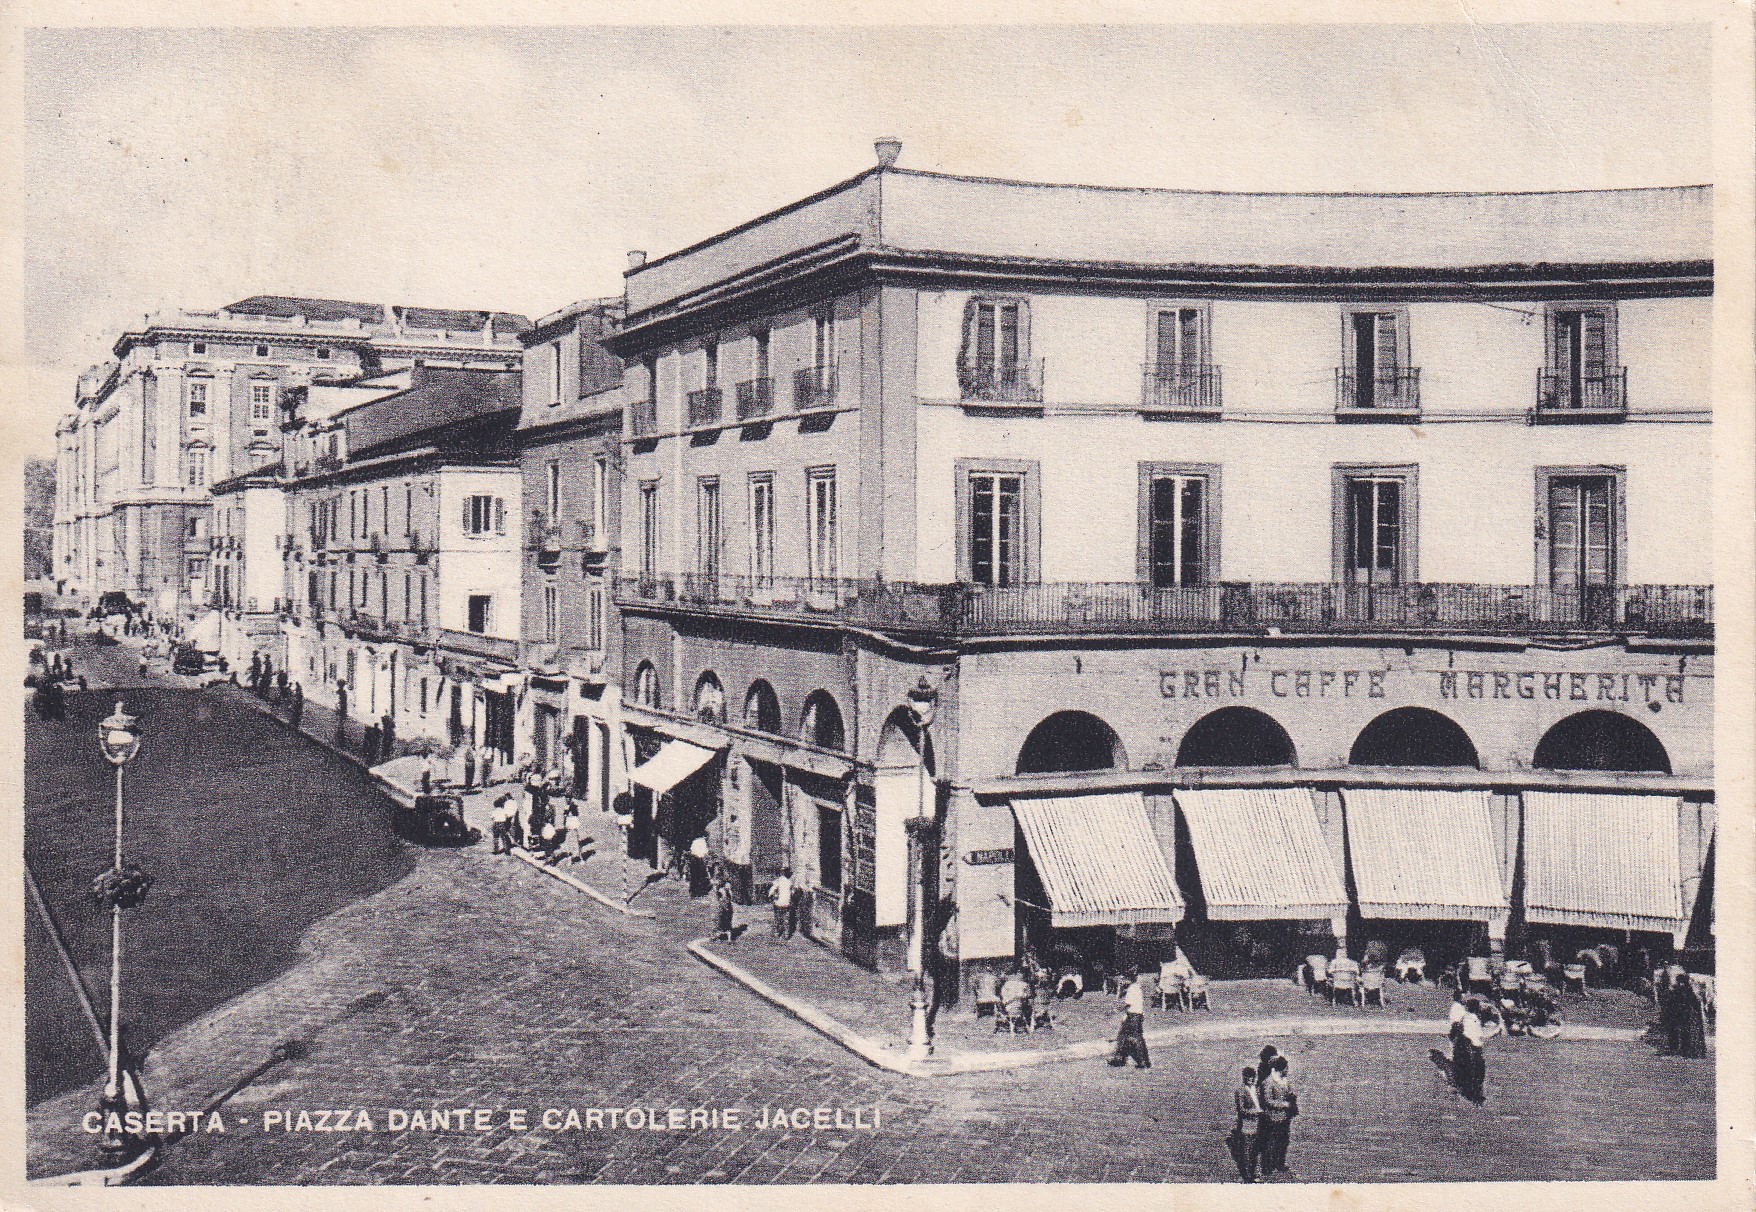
x: 1086, y: 569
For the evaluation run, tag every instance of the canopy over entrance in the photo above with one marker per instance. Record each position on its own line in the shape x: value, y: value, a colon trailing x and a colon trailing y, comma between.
x: 1424, y: 854
x: 674, y: 762
x: 1261, y: 854
x: 1099, y: 861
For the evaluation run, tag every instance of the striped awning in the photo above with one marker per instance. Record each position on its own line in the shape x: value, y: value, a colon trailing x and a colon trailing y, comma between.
x: 1424, y: 854
x: 1098, y: 859
x: 1261, y: 854
x: 1603, y: 860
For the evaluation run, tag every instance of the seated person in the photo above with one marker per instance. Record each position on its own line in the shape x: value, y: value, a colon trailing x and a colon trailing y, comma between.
x: 1316, y: 971
x: 1411, y: 964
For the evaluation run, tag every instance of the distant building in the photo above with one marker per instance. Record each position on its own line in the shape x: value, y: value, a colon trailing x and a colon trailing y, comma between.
x: 570, y: 453
x: 1276, y: 572
x: 193, y: 398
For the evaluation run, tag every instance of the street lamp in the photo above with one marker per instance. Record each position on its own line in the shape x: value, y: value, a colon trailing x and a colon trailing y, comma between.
x: 922, y: 703
x: 121, y: 887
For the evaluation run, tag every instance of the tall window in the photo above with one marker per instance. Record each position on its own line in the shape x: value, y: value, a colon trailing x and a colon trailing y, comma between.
x: 423, y: 586
x: 261, y: 401
x: 823, y: 339
x: 823, y: 552
x: 1581, y: 353
x: 484, y: 514
x: 552, y: 491
x: 555, y: 373
x: 996, y: 338
x: 649, y: 524
x: 1582, y: 546
x: 384, y: 507
x: 408, y: 597
x: 1179, y: 341
x: 760, y: 338
x: 1376, y: 526
x: 551, y: 614
x: 710, y: 363
x: 1377, y: 374
x: 1178, y: 546
x: 195, y: 466
x: 708, y: 535
x: 594, y: 616
x: 481, y: 612
x: 762, y: 527
x: 408, y: 508
x: 198, y: 399
x: 600, y: 499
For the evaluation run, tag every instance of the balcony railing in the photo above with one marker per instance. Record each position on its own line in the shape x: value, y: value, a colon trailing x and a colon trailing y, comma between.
x: 642, y: 418
x: 813, y: 387
x: 1181, y: 390
x: 471, y: 644
x: 1084, y: 607
x: 1383, y: 391
x: 704, y: 407
x: 1563, y: 395
x: 1002, y: 382
x: 755, y: 399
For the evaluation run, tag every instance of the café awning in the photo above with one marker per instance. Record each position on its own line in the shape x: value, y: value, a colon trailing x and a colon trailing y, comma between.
x: 674, y: 762
x: 1424, y: 854
x: 1261, y: 854
x: 1603, y: 860
x: 1098, y: 859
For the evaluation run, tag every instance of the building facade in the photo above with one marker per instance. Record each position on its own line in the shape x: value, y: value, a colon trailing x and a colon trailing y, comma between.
x: 400, y: 564
x: 570, y: 455
x: 1082, y: 569
x: 192, y: 398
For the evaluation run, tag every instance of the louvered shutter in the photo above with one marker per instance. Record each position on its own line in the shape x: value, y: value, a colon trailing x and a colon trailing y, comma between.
x: 1592, y: 345
x: 499, y: 516
x: 1388, y: 355
x: 467, y: 502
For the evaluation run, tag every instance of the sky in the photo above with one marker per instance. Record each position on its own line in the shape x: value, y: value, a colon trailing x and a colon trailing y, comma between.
x: 513, y: 169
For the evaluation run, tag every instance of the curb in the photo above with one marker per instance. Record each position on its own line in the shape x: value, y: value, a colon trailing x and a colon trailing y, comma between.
x: 113, y: 1177
x: 609, y: 902
x: 951, y: 1064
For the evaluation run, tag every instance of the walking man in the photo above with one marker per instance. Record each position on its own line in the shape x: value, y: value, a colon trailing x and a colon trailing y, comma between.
x: 504, y: 815
x: 298, y: 709
x: 1131, y: 1039
x: 1246, y: 1139
x: 780, y: 894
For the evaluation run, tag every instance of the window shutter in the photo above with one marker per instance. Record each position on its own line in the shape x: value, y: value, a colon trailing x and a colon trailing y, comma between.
x: 1388, y: 355
x: 467, y: 502
x: 1592, y: 344
x: 1190, y: 328
x: 499, y: 516
x: 966, y: 353
x: 1167, y: 340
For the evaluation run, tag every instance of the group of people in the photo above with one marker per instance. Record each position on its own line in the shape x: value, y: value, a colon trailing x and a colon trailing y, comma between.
x: 554, y: 834
x: 1682, y: 1016
x: 782, y: 895
x: 1264, y: 1105
x: 48, y: 694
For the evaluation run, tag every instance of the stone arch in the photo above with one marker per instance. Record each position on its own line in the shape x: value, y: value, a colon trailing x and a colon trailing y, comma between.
x: 1413, y: 736
x: 1237, y: 736
x: 762, y: 707
x: 1601, y: 740
x: 1071, y: 741
x: 821, y: 721
x: 710, y: 699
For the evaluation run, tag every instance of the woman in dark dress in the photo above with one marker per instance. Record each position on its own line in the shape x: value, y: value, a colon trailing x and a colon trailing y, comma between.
x: 1691, y: 1019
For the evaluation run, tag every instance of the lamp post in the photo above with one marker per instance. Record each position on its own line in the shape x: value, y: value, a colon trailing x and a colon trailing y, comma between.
x: 121, y: 887
x: 922, y: 702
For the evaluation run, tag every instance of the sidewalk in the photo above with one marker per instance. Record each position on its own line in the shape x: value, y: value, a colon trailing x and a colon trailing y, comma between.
x: 868, y: 1013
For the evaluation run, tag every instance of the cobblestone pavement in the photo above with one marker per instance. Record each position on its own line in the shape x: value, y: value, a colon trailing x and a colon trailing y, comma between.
x: 477, y: 982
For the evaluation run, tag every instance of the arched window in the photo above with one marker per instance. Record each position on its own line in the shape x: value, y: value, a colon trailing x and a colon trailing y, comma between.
x: 1601, y: 740
x: 710, y: 699
x: 821, y: 722
x: 646, y: 685
x: 1236, y: 736
x: 762, y: 708
x: 1069, y: 741
x: 1413, y: 736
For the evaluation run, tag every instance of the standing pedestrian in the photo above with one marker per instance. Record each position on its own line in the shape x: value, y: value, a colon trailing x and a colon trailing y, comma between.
x: 780, y: 895
x: 427, y: 776
x: 1246, y: 1138
x: 387, y: 736
x: 504, y: 815
x: 700, y: 879
x: 469, y: 769
x: 298, y: 709
x: 487, y: 764
x: 1279, y: 1105
x: 1691, y: 1017
x: 1468, y: 1067
x: 280, y: 685
x: 1131, y: 1039
x: 723, y: 911
x: 341, y: 713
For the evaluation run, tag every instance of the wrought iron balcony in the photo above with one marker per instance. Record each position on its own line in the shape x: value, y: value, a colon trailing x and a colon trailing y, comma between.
x: 1391, y: 394
x: 755, y: 399
x: 704, y: 407
x: 1564, y: 396
x: 1181, y: 390
x: 1127, y: 607
x: 813, y: 387
x: 1001, y: 382
x: 642, y: 418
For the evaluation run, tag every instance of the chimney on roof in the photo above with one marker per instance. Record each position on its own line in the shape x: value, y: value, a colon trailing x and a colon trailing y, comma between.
x: 888, y: 150
x: 636, y: 258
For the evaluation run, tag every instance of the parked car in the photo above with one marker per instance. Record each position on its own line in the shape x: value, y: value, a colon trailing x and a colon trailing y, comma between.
x: 436, y: 820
